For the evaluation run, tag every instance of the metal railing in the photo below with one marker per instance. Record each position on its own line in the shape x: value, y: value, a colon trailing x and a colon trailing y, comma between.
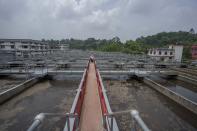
x: 38, y: 120
x: 137, y: 122
x: 108, y: 119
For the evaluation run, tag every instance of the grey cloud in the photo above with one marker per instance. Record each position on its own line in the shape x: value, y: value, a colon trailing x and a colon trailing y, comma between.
x: 127, y: 19
x: 10, y: 9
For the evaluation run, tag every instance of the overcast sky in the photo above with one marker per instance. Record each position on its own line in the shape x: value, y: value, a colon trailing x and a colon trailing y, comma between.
x: 127, y: 19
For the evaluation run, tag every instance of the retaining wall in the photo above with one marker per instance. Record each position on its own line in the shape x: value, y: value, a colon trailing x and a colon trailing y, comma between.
x: 190, y: 105
x: 6, y: 95
x: 187, y: 79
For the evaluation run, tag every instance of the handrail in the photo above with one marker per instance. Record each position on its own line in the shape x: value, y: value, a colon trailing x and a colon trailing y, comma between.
x: 136, y: 120
x: 72, y: 118
x: 40, y: 118
x: 76, y: 106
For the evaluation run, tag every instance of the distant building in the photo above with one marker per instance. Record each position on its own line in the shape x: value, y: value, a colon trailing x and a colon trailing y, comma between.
x: 172, y: 53
x: 64, y: 47
x: 194, y: 52
x: 178, y: 51
x: 23, y: 47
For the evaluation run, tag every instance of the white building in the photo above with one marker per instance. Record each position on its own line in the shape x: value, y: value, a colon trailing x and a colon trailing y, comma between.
x: 172, y: 53
x: 23, y: 47
x: 178, y: 49
x: 64, y: 47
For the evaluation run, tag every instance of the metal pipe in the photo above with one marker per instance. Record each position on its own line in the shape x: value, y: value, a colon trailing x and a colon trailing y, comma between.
x: 140, y: 122
x: 37, y: 121
x: 34, y: 125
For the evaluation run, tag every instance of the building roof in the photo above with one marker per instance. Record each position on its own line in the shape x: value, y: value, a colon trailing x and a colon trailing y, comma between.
x: 22, y: 40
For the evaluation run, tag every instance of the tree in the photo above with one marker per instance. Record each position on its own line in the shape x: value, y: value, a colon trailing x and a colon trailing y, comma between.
x: 192, y: 31
x: 133, y: 47
x: 116, y: 40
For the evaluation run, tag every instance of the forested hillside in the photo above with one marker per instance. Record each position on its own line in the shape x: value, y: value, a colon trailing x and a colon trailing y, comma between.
x: 166, y: 38
x: 138, y: 46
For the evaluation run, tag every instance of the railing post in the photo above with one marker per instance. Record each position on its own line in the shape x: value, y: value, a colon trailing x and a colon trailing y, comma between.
x: 68, y: 121
x: 133, y: 128
x: 104, y: 119
x: 76, y: 120
x: 111, y: 123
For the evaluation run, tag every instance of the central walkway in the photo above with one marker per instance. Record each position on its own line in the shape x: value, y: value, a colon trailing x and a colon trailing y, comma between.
x: 91, y: 114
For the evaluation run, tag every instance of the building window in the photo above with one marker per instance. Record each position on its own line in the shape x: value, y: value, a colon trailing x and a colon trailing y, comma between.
x: 154, y: 52
x: 2, y: 46
x: 159, y: 52
x: 170, y: 53
x: 25, y: 46
x: 165, y: 52
x: 12, y: 46
x: 170, y: 58
x: 162, y: 59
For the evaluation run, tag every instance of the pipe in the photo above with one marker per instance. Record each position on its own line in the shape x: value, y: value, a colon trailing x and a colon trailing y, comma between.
x: 37, y: 121
x: 137, y: 118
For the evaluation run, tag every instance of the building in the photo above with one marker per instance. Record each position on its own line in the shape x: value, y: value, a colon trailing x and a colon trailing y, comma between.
x: 178, y: 51
x: 64, y: 47
x: 161, y: 54
x: 22, y: 47
x: 194, y: 52
x: 171, y: 54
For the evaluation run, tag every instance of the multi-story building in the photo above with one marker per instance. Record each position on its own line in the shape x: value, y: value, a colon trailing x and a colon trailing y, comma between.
x: 23, y: 47
x: 173, y: 53
x: 194, y: 52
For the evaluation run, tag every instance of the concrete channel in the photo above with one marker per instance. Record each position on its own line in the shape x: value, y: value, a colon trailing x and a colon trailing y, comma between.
x: 7, y: 82
x: 15, y: 90
x: 179, y: 94
x: 158, y: 111
x: 56, y: 95
x: 186, y: 89
x: 50, y: 96
x: 187, y: 79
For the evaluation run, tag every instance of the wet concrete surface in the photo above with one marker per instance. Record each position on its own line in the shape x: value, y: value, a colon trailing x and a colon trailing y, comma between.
x: 188, y: 85
x: 185, y: 89
x: 51, y: 96
x: 158, y: 112
x: 9, y: 82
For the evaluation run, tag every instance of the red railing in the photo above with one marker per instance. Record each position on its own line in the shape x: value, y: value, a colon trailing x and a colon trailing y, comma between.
x: 82, y: 87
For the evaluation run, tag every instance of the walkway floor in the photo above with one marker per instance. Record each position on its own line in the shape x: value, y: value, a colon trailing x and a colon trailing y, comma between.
x: 91, y: 115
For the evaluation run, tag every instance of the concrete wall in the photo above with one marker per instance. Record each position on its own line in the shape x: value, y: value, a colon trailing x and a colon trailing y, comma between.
x: 6, y: 95
x: 192, y: 106
x: 187, y: 79
x: 178, y: 52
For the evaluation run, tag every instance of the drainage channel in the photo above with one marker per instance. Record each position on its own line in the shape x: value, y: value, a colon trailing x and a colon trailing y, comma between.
x: 9, y: 82
x: 53, y: 96
x: 158, y: 111
x: 187, y: 90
